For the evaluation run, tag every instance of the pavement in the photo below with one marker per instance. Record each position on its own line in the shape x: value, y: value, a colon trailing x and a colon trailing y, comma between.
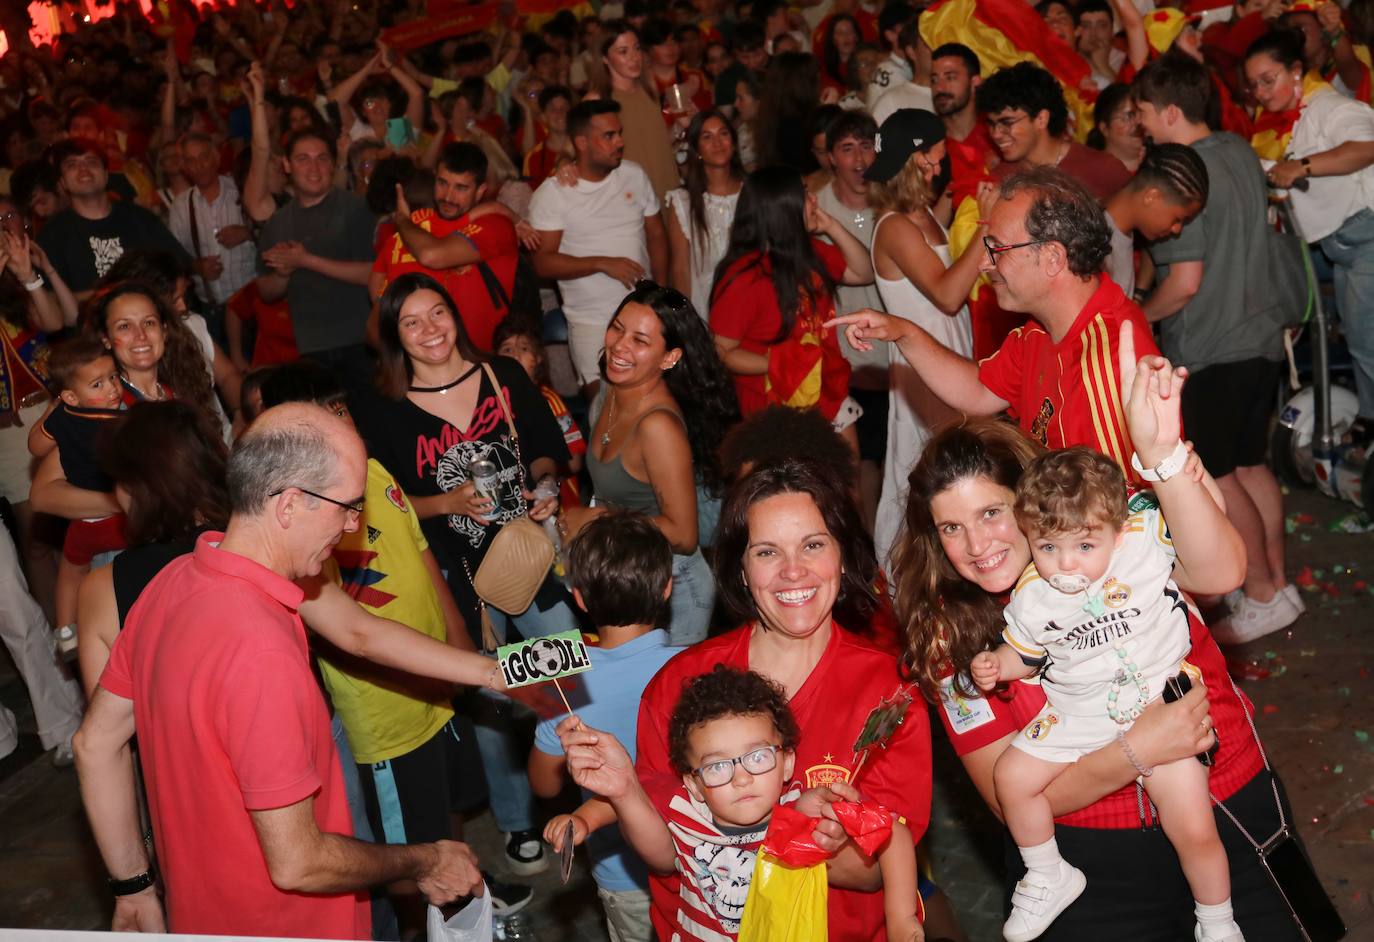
x: 1314, y: 707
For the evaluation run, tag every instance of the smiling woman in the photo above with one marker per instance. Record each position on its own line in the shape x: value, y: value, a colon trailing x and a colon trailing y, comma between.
x: 792, y: 559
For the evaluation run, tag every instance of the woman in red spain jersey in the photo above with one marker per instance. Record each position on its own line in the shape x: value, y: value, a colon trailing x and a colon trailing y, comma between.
x: 955, y: 561
x: 792, y: 565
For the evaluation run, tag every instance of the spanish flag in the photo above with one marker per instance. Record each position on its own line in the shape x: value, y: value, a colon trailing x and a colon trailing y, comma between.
x: 1005, y: 32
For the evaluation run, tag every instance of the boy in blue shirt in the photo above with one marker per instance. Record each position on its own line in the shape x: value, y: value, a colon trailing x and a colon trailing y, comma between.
x: 620, y: 567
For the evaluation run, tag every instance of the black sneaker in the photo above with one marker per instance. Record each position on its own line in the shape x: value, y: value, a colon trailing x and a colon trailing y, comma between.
x: 507, y: 899
x: 525, y: 853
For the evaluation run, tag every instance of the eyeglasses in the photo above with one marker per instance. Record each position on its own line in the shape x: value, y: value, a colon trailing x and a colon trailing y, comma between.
x: 757, y: 762
x: 995, y: 250
x: 1006, y: 124
x: 353, y: 507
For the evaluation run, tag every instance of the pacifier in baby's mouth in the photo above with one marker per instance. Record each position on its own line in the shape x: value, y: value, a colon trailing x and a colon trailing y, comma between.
x: 1070, y: 582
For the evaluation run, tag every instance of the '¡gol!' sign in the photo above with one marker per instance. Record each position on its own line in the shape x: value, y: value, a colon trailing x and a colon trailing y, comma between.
x: 541, y: 659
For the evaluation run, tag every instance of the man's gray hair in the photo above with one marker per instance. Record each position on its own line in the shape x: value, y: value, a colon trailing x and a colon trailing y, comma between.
x: 268, y: 461
x: 1062, y: 210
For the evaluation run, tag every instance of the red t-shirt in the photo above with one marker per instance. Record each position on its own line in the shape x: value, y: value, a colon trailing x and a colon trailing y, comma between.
x: 977, y: 722
x: 746, y: 309
x: 1100, y: 172
x: 276, y: 339
x: 968, y: 162
x: 539, y: 163
x: 230, y: 720
x: 494, y: 236
x: 847, y: 682
x: 1069, y: 393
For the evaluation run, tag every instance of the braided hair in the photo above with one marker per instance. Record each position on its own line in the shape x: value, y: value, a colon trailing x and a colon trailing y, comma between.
x: 1175, y: 170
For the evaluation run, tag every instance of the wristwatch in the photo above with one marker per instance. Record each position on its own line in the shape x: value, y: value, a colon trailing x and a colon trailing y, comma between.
x: 1166, y: 468
x: 135, y: 884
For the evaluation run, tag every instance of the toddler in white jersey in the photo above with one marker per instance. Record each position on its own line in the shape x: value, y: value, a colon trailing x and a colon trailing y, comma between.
x: 1097, y: 615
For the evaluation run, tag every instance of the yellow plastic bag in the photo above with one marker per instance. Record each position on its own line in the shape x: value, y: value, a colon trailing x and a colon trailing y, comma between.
x: 785, y: 903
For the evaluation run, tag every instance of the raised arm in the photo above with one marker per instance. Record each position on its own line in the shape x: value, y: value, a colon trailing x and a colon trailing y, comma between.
x: 343, y: 93
x: 1211, y: 555
x: 1133, y: 24
x: 415, y: 95
x: 257, y: 198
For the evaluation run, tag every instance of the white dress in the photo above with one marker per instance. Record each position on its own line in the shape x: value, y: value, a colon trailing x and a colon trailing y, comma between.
x: 720, y: 214
x: 912, y: 407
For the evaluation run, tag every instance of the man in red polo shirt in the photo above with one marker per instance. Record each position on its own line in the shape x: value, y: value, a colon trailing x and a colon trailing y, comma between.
x: 452, y: 243
x: 212, y: 668
x: 1047, y: 239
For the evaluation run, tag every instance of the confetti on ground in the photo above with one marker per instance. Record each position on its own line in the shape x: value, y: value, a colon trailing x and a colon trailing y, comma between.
x: 1361, y: 735
x: 1343, y: 691
x: 1338, y: 769
x: 1270, y: 709
x: 1271, y: 655
x: 1304, y: 577
x: 1355, y: 522
x: 1308, y: 652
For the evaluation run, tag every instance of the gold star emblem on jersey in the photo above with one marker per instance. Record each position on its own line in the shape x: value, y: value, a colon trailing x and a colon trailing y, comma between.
x: 1115, y: 594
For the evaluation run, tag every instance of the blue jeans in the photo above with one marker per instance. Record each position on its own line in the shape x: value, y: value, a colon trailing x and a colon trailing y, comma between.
x: 384, y: 925
x: 694, y: 595
x: 494, y: 719
x: 1351, y: 250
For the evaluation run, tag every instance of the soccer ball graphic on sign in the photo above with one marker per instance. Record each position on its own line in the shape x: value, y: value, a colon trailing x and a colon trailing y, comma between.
x: 547, y: 657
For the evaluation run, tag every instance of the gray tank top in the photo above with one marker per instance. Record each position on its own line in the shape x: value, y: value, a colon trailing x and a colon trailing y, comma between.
x: 613, y: 485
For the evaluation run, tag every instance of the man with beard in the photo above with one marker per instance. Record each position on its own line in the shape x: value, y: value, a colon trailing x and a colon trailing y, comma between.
x: 317, y: 253
x: 1057, y: 375
x: 471, y: 253
x: 599, y: 236
x: 955, y: 73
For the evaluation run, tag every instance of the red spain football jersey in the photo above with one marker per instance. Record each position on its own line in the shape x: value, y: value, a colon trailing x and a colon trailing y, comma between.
x: 1069, y: 393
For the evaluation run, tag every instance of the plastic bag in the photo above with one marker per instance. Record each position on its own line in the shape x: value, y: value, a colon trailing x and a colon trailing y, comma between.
x: 785, y: 903
x: 472, y: 923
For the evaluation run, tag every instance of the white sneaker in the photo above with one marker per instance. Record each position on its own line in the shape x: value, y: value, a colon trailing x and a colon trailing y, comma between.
x: 1229, y: 933
x: 1291, y: 593
x: 1034, y: 907
x: 1250, y: 619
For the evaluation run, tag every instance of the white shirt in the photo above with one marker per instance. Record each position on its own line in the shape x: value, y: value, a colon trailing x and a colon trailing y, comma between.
x: 602, y: 218
x: 1142, y: 612
x: 707, y: 248
x: 240, y: 262
x: 1120, y: 262
x: 891, y: 72
x: 1328, y: 120
x: 906, y: 95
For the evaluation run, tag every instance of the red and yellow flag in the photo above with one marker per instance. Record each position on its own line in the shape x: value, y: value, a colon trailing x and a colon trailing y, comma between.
x: 1272, y: 130
x: 1005, y: 32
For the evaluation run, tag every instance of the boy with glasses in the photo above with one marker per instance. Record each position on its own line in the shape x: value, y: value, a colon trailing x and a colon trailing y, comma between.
x: 731, y: 738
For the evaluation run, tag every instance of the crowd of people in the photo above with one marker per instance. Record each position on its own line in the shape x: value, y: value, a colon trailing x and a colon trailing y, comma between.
x: 843, y: 361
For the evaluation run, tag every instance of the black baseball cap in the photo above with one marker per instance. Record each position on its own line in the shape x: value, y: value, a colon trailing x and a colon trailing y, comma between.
x: 905, y: 132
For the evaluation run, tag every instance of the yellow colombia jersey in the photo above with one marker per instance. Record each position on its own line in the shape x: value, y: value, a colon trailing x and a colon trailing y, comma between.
x: 386, y: 713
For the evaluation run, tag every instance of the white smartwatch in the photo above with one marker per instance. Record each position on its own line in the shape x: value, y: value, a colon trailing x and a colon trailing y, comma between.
x: 1166, y: 468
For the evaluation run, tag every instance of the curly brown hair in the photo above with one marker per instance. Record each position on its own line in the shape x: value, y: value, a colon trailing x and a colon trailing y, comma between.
x: 727, y: 691
x: 1070, y: 490
x: 944, y: 619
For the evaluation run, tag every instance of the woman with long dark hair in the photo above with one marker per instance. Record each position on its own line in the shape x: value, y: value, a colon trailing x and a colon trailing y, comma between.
x: 842, y: 37
x: 656, y: 431
x: 618, y: 73
x: 703, y: 210
x: 774, y: 291
x: 791, y: 88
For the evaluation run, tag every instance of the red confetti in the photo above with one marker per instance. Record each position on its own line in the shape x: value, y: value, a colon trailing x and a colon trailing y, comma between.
x: 1360, y: 585
x: 1247, y: 670
x: 1270, y: 709
x: 1304, y: 518
x: 1304, y: 578
x: 1330, y: 588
